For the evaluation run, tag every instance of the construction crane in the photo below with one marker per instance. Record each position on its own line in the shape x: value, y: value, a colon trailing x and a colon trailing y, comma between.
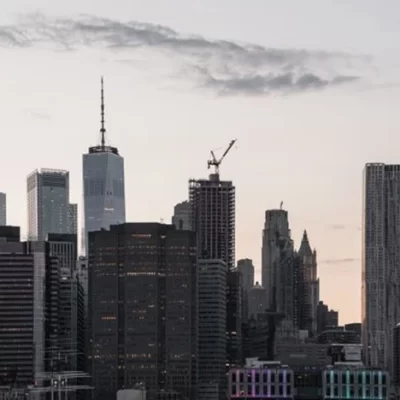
x: 216, y: 163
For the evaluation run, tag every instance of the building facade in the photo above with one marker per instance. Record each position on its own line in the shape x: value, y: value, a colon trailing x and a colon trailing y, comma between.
x: 72, y: 219
x: 213, y: 218
x: 48, y: 201
x: 3, y: 209
x: 246, y: 269
x: 103, y: 185
x: 143, y: 309
x: 308, y: 287
x: 212, y: 341
x: 380, y: 253
x: 262, y: 380
x: 354, y: 381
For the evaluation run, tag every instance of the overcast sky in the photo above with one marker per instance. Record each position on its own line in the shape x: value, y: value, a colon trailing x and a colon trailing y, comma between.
x: 309, y: 88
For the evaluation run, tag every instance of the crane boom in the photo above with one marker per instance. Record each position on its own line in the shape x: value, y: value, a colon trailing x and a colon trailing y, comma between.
x: 216, y: 163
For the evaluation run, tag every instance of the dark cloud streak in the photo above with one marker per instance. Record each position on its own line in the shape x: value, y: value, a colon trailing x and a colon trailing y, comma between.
x: 224, y: 66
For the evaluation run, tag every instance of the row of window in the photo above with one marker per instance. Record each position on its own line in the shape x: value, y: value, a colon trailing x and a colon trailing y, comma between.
x: 265, y: 390
x: 351, y: 378
x: 266, y: 376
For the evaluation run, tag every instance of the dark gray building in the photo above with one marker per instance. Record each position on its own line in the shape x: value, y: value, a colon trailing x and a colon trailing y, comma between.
x: 212, y: 286
x: 28, y: 307
x: 213, y: 217
x: 142, y: 309
x: 246, y: 268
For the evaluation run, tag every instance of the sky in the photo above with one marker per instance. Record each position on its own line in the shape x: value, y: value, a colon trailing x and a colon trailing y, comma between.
x: 309, y: 89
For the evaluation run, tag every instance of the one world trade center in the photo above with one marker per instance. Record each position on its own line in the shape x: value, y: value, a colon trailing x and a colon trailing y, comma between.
x: 103, y: 185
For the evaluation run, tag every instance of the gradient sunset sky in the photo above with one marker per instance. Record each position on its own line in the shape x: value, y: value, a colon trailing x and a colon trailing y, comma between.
x: 309, y: 88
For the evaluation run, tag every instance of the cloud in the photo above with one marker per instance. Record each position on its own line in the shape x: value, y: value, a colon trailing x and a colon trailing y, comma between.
x: 338, y: 227
x: 340, y: 261
x: 227, y: 67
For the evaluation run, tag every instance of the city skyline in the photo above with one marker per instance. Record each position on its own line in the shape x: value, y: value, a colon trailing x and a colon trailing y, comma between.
x: 167, y: 126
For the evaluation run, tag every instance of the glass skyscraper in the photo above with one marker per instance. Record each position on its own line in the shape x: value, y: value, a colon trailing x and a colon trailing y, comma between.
x: 48, y: 201
x: 103, y: 185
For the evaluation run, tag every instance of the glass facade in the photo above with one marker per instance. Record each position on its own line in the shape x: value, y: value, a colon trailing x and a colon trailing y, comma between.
x: 104, y: 189
x: 48, y: 201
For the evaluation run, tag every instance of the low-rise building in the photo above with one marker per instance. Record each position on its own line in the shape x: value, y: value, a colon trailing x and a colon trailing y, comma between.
x: 261, y: 380
x: 352, y: 380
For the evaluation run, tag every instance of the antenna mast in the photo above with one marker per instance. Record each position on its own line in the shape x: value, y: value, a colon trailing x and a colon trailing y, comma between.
x: 102, y: 129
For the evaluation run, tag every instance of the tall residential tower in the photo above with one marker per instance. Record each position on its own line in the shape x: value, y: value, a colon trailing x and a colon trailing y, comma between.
x: 380, y: 290
x: 103, y: 184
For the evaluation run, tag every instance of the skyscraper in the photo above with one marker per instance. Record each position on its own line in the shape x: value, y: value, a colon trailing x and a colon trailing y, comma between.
x: 103, y: 184
x: 142, y: 309
x: 276, y: 237
x: 213, y: 218
x: 246, y: 269
x: 72, y: 219
x: 380, y: 266
x: 3, y: 209
x: 212, y: 286
x: 308, y: 289
x: 48, y: 201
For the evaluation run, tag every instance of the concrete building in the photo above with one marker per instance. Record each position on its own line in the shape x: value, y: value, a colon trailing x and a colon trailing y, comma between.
x: 213, y: 218
x: 261, y: 379
x: 3, y: 209
x: 103, y: 185
x: 143, y: 309
x: 212, y: 340
x: 380, y: 254
x: 181, y: 218
x: 48, y: 201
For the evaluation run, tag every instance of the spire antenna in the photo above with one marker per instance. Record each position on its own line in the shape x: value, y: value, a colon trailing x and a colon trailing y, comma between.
x: 102, y: 129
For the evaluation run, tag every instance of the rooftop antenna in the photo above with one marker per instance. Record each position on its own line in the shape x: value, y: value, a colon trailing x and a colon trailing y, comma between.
x: 281, y: 204
x: 102, y: 129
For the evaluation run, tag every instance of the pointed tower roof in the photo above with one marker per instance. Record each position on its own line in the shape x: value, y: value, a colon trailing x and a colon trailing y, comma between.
x: 305, y: 248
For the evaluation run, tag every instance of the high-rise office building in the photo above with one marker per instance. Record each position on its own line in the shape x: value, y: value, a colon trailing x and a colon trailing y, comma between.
x: 181, y: 217
x: 48, y: 200
x: 380, y: 290
x: 276, y: 234
x: 28, y: 307
x: 103, y: 184
x: 279, y: 277
x: 308, y: 287
x: 72, y: 219
x: 212, y: 286
x: 142, y: 309
x: 3, y: 209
